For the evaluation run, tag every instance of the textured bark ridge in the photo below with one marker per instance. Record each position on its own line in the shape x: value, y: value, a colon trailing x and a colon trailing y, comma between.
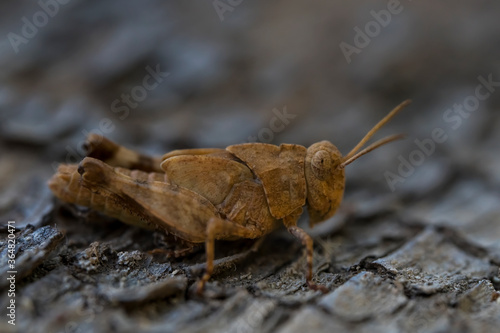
x: 382, y: 270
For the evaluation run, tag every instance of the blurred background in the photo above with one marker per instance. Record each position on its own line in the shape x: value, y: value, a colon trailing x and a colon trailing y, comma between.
x: 162, y: 75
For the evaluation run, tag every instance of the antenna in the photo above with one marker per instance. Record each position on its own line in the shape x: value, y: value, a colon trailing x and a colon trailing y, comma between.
x: 371, y: 147
x: 374, y: 130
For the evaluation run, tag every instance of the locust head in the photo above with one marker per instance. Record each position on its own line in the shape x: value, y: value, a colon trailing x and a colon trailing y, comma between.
x: 325, y: 171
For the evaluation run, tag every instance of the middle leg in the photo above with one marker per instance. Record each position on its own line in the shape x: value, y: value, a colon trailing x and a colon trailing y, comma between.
x: 221, y: 229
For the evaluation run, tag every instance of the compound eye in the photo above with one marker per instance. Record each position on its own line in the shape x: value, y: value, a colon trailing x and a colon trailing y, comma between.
x: 321, y: 164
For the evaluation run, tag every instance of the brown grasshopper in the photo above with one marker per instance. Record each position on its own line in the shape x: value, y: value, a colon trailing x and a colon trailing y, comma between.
x: 202, y: 195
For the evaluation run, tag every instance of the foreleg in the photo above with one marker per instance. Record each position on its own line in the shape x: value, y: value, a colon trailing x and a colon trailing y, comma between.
x: 306, y: 240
